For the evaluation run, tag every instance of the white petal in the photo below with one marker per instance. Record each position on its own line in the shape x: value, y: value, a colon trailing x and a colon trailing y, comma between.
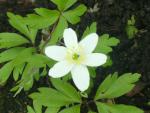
x: 95, y: 59
x: 81, y: 77
x: 60, y: 69
x: 89, y: 42
x: 70, y: 38
x: 57, y: 53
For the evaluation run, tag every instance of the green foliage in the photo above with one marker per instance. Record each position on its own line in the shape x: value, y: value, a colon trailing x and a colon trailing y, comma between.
x: 131, y: 29
x: 18, y: 22
x: 112, y: 108
x: 57, y: 34
x: 74, y: 109
x: 10, y: 54
x: 53, y: 99
x: 52, y: 110
x: 106, y: 43
x: 8, y: 40
x: 5, y: 72
x: 43, y: 19
x: 37, y: 108
x: 50, y: 97
x: 73, y: 16
x: 18, y: 71
x: 64, y: 4
x: 109, y: 62
x: 66, y: 89
x: 114, y: 86
x: 91, y: 29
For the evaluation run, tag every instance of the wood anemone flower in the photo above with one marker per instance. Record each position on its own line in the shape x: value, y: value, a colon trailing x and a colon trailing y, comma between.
x: 75, y: 58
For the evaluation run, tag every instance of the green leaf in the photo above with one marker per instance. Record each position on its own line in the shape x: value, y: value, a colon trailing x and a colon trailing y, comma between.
x: 28, y: 76
x: 111, y: 87
x: 112, y: 108
x: 39, y: 60
x: 131, y: 31
x: 73, y: 16
x: 52, y: 110
x: 5, y: 72
x: 20, y: 24
x: 8, y: 40
x: 10, y: 54
x: 106, y: 43
x: 17, y: 22
x: 73, y: 109
x: 44, y: 12
x: 30, y: 109
x: 91, y: 29
x: 109, y: 80
x: 58, y: 32
x: 37, y: 107
x: 64, y: 4
x: 92, y: 72
x: 27, y: 79
x: 44, y: 20
x: 131, y: 21
x: 109, y: 62
x: 66, y: 89
x: 18, y: 71
x: 23, y: 56
x: 51, y: 98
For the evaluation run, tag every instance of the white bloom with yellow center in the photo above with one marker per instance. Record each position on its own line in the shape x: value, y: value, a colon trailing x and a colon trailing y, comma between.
x: 75, y: 57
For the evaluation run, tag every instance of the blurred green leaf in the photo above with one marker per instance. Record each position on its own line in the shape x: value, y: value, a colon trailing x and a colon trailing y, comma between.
x: 64, y: 4
x: 131, y: 29
x: 111, y: 87
x: 73, y: 109
x: 73, y: 16
x: 18, y: 71
x: 8, y: 40
x: 112, y: 108
x: 66, y: 89
x: 18, y: 22
x: 51, y: 98
x: 23, y: 56
x: 10, y: 54
x: 30, y: 109
x: 52, y: 110
x: 92, y: 72
x: 106, y: 43
x: 37, y: 107
x: 43, y: 19
x: 5, y: 72
x: 109, y: 62
x: 58, y: 32
x: 91, y: 29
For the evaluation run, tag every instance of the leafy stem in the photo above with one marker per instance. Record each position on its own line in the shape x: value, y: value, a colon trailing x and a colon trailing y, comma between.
x: 49, y: 38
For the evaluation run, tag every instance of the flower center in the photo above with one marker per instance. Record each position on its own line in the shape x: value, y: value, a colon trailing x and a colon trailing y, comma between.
x: 75, y: 56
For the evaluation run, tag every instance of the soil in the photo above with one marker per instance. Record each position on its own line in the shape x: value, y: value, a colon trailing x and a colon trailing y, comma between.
x: 131, y: 55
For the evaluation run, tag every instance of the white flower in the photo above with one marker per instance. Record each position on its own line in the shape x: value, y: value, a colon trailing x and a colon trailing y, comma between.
x: 75, y: 57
